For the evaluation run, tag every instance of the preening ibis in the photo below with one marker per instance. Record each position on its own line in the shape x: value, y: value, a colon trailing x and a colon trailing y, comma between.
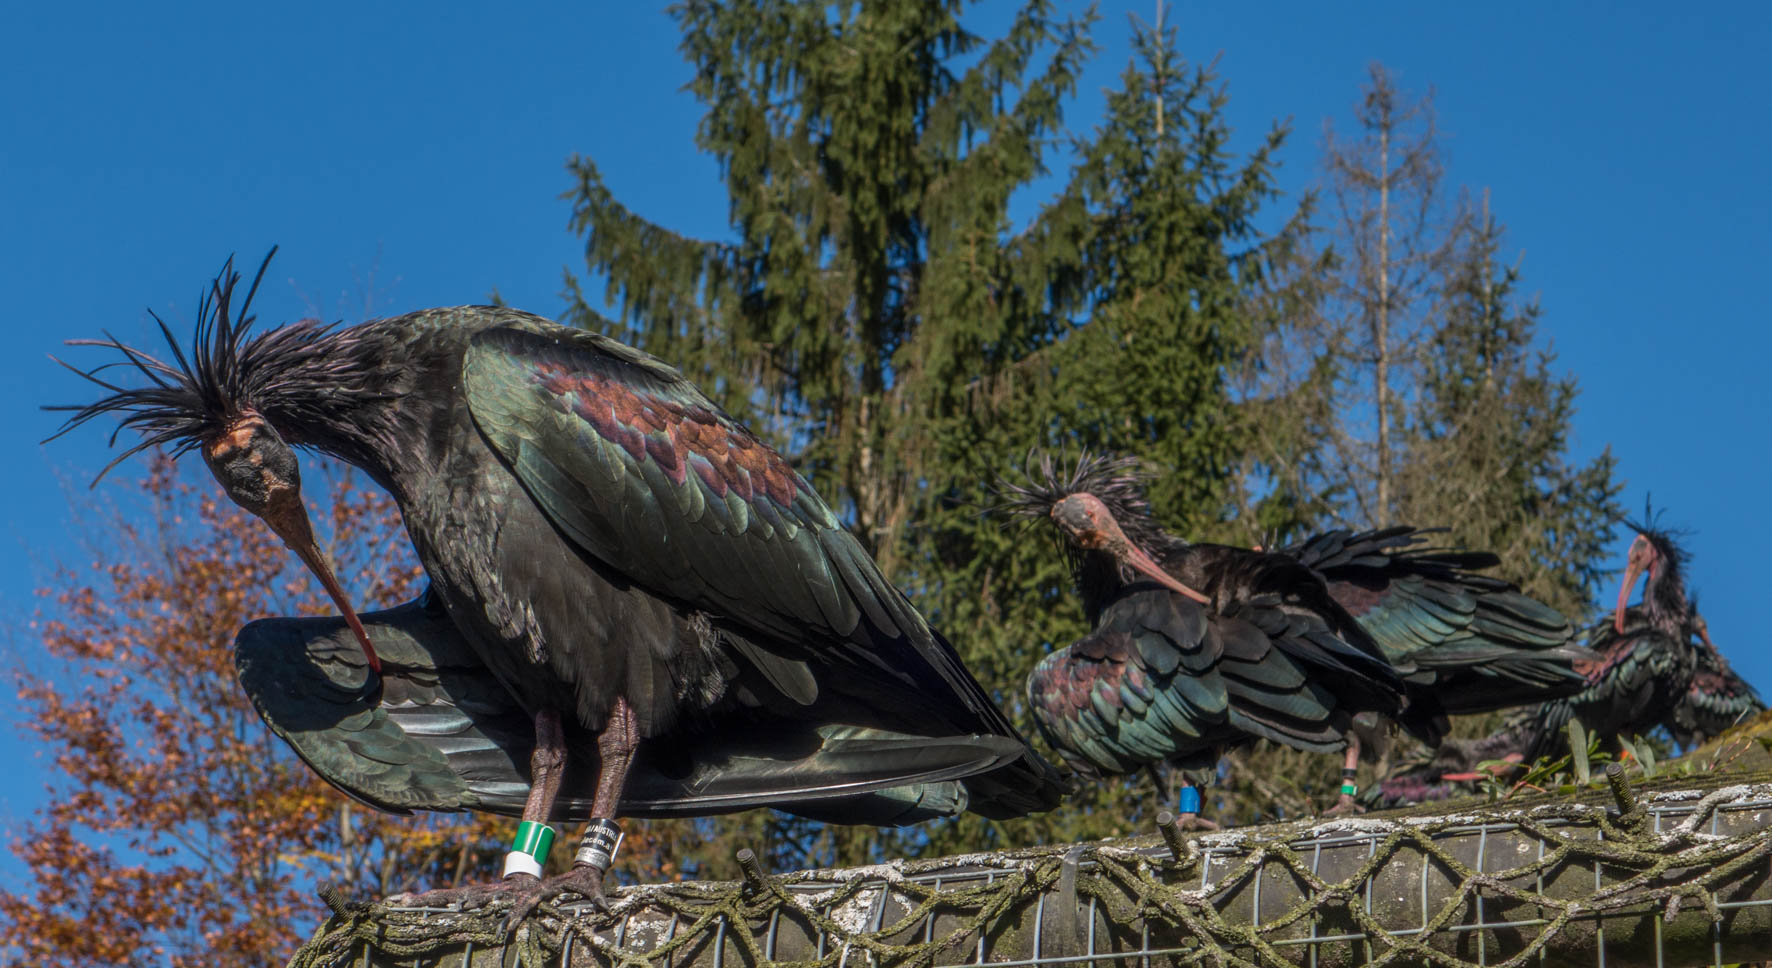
x: 1193, y: 648
x: 1640, y: 663
x: 1470, y: 642
x: 647, y: 583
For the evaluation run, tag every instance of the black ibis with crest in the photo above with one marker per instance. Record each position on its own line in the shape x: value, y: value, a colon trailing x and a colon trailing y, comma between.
x: 1193, y: 648
x: 626, y: 585
x: 1641, y: 659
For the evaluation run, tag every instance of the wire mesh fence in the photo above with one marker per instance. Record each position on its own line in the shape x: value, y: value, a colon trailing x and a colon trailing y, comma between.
x: 1681, y: 877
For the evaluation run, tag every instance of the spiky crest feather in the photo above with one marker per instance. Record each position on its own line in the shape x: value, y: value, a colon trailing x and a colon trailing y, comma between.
x: 1118, y: 482
x: 1665, y: 595
x: 292, y: 375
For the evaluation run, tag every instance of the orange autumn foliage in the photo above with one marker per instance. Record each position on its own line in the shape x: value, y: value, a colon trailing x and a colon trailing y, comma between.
x: 179, y: 830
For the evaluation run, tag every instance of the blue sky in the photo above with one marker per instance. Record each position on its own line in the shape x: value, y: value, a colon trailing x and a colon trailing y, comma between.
x: 417, y: 153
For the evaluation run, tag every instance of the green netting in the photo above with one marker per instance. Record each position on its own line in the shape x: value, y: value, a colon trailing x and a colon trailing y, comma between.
x: 1675, y: 875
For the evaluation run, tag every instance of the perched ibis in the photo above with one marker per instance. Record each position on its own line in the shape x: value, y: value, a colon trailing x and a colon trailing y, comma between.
x: 1716, y: 700
x: 1193, y: 649
x: 1641, y: 661
x: 1449, y: 771
x: 657, y: 595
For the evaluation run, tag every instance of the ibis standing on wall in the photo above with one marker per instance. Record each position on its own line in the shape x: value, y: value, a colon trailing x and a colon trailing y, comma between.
x: 1647, y: 665
x: 634, y: 569
x: 1194, y: 648
x: 1642, y: 660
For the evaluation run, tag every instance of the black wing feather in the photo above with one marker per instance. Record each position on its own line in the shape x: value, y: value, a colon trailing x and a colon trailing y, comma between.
x: 645, y: 474
x: 440, y: 734
x: 1476, y: 642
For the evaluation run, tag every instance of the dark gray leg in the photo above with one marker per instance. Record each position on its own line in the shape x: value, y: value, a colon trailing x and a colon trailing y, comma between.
x: 615, y: 754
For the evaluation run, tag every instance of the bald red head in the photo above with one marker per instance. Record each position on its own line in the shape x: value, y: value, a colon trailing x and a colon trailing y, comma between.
x: 1091, y: 525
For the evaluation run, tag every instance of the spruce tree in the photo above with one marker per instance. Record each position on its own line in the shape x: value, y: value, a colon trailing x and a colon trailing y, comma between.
x: 869, y: 184
x: 1401, y: 385
x: 1489, y: 454
x: 1153, y: 317
x: 878, y: 315
x: 869, y: 280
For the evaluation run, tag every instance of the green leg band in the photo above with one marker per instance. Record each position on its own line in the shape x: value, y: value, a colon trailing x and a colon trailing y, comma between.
x: 529, y: 849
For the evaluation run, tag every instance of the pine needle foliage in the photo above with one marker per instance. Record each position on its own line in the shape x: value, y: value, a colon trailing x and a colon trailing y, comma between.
x: 1488, y: 451
x: 880, y: 314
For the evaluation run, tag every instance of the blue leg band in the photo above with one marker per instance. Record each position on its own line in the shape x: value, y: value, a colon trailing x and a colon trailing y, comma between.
x: 1187, y: 800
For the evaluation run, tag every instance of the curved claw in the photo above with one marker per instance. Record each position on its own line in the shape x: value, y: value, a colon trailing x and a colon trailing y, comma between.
x: 587, y: 882
x: 468, y: 896
x: 1345, y: 805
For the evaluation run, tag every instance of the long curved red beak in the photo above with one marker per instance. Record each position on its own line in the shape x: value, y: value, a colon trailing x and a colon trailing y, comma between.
x: 290, y: 521
x: 1632, y: 570
x: 1135, y: 556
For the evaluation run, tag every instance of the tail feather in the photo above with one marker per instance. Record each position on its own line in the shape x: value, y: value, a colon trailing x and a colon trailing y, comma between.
x: 1027, y: 784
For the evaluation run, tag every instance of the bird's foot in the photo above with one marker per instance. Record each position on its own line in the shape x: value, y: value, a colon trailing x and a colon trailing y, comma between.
x: 1193, y: 821
x: 524, y: 891
x: 583, y: 880
x: 1344, y: 806
x: 468, y: 896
